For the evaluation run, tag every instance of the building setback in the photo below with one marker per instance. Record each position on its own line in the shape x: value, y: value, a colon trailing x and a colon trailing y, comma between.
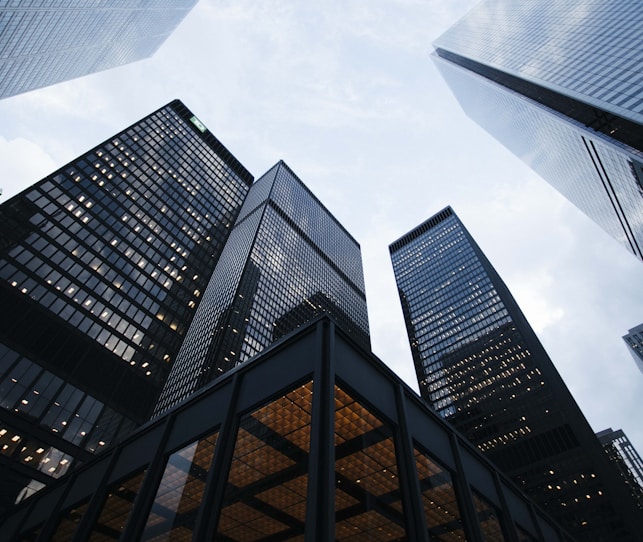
x: 286, y: 261
x: 560, y: 85
x: 313, y: 439
x: 48, y: 41
x: 102, y: 267
x: 481, y: 367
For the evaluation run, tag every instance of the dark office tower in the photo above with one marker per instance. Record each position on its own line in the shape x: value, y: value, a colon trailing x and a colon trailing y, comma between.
x: 634, y: 341
x: 481, y: 367
x: 628, y: 461
x: 102, y: 266
x: 561, y: 85
x: 287, y: 260
x: 43, y: 42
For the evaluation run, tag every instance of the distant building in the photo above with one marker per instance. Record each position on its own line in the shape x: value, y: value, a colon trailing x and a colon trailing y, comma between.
x: 559, y: 84
x: 628, y: 461
x: 43, y: 42
x: 634, y: 341
x: 481, y: 367
x: 102, y: 266
x: 287, y: 260
x: 313, y: 439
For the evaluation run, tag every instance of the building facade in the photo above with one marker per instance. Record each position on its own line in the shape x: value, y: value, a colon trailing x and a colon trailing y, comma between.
x: 481, y: 367
x: 102, y: 267
x: 313, y: 439
x: 43, y: 42
x: 559, y: 84
x: 634, y: 342
x: 287, y: 260
x: 628, y: 461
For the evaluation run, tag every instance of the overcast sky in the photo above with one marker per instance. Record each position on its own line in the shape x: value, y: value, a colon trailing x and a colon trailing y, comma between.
x: 348, y: 96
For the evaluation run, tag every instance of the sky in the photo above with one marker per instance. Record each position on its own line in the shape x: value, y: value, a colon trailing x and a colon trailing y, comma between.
x: 347, y: 95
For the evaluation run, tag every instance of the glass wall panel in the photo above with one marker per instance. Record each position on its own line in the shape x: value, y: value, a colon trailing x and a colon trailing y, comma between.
x: 489, y: 519
x: 179, y: 495
x: 368, y: 502
x: 116, y: 509
x: 68, y: 524
x: 524, y: 536
x: 266, y: 490
x: 438, y: 497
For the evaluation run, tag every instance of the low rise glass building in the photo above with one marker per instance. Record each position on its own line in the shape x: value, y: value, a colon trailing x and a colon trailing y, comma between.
x: 313, y: 439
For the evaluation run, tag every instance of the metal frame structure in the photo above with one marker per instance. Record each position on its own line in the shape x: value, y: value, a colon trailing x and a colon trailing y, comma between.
x: 314, y: 439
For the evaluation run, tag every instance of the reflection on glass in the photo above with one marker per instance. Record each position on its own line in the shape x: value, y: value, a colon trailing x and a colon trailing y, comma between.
x: 69, y: 520
x: 438, y: 497
x: 368, y: 502
x: 524, y: 536
x: 489, y: 519
x: 116, y: 509
x: 179, y: 495
x: 266, y: 490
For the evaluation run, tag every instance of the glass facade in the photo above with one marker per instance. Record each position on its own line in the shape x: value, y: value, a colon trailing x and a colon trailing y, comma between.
x: 312, y: 440
x: 102, y: 266
x: 287, y: 260
x: 634, y: 342
x: 43, y: 42
x: 628, y: 461
x: 554, y: 85
x: 480, y: 366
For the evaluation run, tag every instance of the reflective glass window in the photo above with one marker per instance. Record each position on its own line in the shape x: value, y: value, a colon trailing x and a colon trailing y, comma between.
x: 180, y: 492
x: 69, y: 520
x: 266, y: 490
x: 489, y: 519
x: 441, y: 509
x: 116, y: 509
x: 368, y: 501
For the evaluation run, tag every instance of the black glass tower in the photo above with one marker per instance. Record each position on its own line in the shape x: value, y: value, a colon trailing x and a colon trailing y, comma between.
x: 627, y: 460
x: 481, y: 367
x: 102, y: 267
x: 287, y: 260
x: 559, y: 84
x: 43, y: 42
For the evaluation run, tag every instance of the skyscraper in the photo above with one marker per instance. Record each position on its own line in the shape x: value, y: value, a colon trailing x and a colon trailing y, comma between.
x: 481, y: 367
x: 634, y: 342
x: 628, y: 461
x: 560, y: 85
x: 43, y: 42
x: 287, y: 259
x: 102, y: 266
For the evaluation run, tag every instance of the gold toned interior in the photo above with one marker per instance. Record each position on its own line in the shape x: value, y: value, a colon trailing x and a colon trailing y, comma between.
x: 368, y: 501
x: 180, y: 493
x: 266, y: 491
x: 439, y: 501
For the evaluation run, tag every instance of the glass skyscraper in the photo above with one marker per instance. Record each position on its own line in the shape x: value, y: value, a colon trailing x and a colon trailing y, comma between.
x: 43, y: 42
x: 102, y: 266
x: 287, y: 260
x: 481, y: 367
x: 634, y: 342
x: 628, y: 461
x: 561, y: 85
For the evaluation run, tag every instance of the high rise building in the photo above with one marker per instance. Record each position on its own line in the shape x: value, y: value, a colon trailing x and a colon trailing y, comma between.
x: 560, y: 85
x: 43, y: 42
x: 287, y: 260
x: 628, y: 461
x: 314, y: 439
x: 634, y: 342
x: 481, y: 367
x: 102, y: 267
